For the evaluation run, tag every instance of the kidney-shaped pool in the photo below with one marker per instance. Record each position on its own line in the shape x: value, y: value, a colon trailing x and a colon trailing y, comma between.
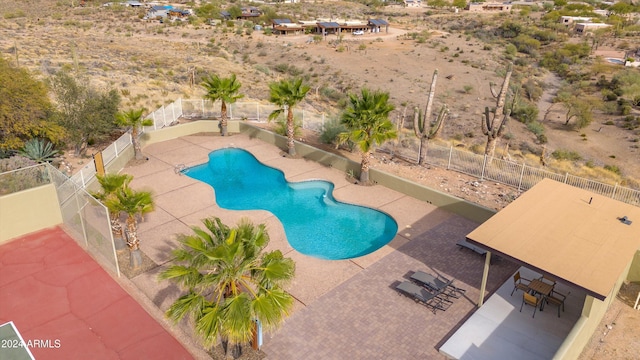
x: 314, y: 222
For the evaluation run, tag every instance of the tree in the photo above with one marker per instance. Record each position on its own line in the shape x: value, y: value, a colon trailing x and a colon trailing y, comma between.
x: 286, y: 94
x: 578, y: 105
x: 230, y: 282
x: 367, y: 121
x: 110, y: 185
x: 134, y: 119
x: 460, y: 4
x: 25, y: 109
x: 84, y: 112
x: 134, y: 204
x: 225, y: 90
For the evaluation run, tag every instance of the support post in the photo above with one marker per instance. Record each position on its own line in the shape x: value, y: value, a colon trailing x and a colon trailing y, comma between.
x: 450, y: 154
x: 485, y: 275
x: 521, y: 176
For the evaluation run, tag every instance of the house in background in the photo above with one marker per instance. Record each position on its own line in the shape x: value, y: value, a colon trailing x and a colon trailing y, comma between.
x: 582, y: 28
x: 490, y: 7
x: 250, y: 13
x: 413, y: 3
x: 285, y: 26
x: 568, y: 20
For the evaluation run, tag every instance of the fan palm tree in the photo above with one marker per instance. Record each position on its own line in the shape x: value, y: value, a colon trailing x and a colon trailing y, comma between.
x: 110, y: 185
x: 225, y: 90
x: 134, y: 204
x: 230, y: 282
x: 134, y: 119
x: 286, y: 94
x: 367, y: 122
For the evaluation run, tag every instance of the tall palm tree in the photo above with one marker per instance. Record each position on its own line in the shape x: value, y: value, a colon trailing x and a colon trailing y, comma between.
x: 134, y: 204
x: 286, y: 94
x: 110, y: 185
x: 230, y: 282
x: 225, y: 90
x: 367, y: 122
x: 134, y: 119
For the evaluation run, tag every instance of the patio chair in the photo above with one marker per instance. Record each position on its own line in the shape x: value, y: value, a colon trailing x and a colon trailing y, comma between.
x: 420, y: 294
x: 440, y: 286
x: 548, y: 279
x: 558, y: 299
x: 519, y: 283
x: 530, y: 300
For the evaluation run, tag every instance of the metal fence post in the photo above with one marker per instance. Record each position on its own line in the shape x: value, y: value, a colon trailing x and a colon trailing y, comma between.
x: 450, y: 154
x: 258, y: 111
x: 173, y: 113
x: 203, y: 108
x: 615, y: 187
x: 566, y: 177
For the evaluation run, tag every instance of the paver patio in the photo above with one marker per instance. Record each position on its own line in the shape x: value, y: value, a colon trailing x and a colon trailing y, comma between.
x: 343, y: 308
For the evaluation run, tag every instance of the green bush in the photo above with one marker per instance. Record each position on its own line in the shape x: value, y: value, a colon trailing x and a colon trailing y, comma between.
x: 526, y: 113
x: 562, y: 154
x: 613, y: 168
x: 330, y: 131
x: 535, y: 127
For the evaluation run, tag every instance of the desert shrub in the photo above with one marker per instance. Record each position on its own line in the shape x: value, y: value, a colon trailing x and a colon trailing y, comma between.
x: 608, y: 95
x: 535, y: 127
x: 281, y: 127
x: 467, y: 89
x: 631, y: 123
x: 331, y: 94
x: 525, y: 113
x: 330, y: 131
x: 526, y: 44
x: 613, y: 168
x: 510, y: 49
x: 281, y: 67
x: 562, y: 154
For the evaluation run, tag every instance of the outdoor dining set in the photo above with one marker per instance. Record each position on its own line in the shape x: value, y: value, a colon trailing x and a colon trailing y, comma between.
x: 538, y: 292
x: 435, y: 292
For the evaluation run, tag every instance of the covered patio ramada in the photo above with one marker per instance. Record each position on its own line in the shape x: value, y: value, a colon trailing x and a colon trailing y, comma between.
x: 587, y: 242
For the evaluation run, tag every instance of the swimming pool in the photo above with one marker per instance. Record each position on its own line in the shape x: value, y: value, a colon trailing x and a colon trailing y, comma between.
x: 314, y: 222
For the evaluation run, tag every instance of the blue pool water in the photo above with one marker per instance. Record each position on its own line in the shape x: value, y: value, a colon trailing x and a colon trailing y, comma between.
x: 314, y: 222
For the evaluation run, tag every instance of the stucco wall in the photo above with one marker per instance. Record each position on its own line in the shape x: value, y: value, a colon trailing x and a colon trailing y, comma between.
x: 195, y: 127
x: 28, y: 211
x: 593, y: 311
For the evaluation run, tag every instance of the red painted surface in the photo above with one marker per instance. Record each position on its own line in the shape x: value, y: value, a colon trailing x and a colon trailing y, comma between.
x: 68, y: 307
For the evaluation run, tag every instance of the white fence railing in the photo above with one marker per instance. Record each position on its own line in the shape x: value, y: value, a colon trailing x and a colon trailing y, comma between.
x: 520, y: 176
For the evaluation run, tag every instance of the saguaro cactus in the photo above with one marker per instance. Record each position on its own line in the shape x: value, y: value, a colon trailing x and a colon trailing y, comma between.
x: 493, y: 126
x: 422, y: 124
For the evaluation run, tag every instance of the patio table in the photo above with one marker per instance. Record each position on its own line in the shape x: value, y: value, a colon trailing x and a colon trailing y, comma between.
x: 542, y: 288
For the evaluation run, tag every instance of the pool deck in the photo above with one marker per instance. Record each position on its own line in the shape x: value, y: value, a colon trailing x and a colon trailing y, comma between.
x: 343, y: 308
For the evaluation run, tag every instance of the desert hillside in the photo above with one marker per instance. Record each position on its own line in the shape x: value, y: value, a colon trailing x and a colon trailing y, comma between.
x: 152, y: 64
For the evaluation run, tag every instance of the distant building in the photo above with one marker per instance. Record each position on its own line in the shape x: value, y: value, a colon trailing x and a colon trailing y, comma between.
x: 412, y: 3
x: 489, y: 7
x: 568, y: 20
x: 582, y: 28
